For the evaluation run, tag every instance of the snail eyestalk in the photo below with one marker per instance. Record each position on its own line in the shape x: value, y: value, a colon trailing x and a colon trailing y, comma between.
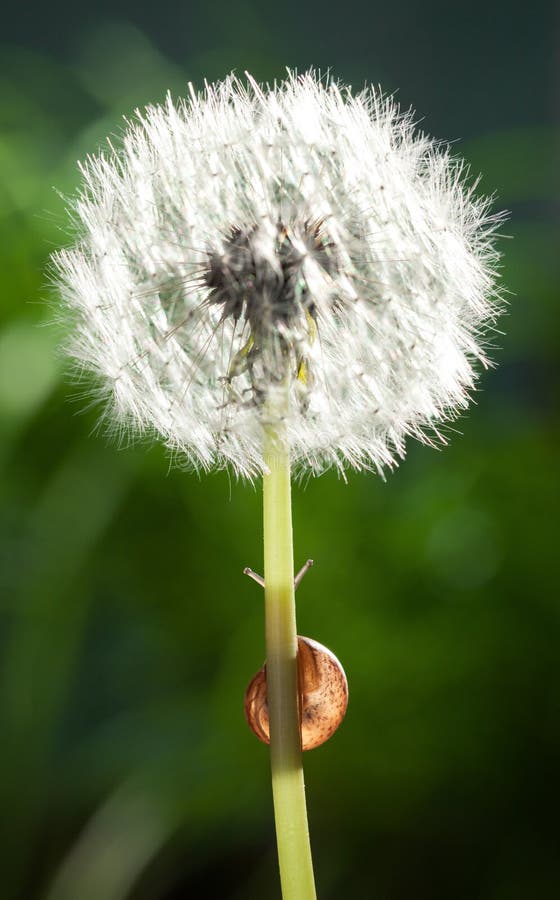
x: 303, y: 571
x: 297, y: 580
x: 258, y: 578
x: 290, y: 813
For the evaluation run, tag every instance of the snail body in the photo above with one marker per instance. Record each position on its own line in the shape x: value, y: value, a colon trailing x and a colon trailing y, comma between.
x: 322, y: 696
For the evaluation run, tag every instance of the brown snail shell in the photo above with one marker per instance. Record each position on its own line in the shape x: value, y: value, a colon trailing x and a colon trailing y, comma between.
x: 323, y: 696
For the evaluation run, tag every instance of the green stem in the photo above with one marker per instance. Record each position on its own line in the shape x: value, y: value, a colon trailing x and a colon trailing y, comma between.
x: 292, y: 833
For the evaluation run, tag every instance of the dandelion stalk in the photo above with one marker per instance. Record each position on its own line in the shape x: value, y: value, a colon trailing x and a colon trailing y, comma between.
x: 292, y: 833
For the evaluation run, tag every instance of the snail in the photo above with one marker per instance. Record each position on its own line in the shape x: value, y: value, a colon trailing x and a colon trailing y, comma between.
x: 322, y: 689
x: 323, y: 696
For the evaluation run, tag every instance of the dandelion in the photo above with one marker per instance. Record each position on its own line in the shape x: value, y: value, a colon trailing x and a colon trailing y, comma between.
x: 280, y: 279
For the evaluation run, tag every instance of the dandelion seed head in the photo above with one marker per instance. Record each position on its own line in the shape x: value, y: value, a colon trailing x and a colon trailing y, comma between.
x: 250, y: 238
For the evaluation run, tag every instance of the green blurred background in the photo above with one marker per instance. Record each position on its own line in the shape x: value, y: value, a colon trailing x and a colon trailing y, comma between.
x: 127, y: 630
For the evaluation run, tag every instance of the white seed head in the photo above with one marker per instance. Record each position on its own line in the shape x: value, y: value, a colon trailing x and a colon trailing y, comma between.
x: 250, y: 238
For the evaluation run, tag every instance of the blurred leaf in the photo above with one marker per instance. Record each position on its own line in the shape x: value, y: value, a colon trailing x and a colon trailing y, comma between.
x: 29, y: 368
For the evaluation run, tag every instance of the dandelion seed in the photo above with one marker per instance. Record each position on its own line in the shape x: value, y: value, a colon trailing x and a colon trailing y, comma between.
x: 247, y: 236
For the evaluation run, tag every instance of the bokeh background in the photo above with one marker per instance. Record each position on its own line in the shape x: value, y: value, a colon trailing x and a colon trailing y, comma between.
x: 127, y: 630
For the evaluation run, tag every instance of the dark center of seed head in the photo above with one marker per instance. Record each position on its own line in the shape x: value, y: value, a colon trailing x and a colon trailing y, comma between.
x: 267, y: 289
